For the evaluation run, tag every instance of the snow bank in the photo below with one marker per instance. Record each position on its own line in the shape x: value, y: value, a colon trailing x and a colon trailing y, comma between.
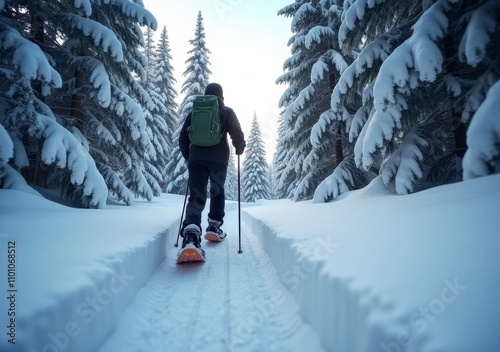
x: 379, y: 272
x: 76, y: 270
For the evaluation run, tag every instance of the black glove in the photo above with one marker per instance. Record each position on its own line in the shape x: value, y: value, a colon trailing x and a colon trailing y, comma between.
x: 239, y: 151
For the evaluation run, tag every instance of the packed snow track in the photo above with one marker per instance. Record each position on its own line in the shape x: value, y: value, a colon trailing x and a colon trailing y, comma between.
x: 232, y: 302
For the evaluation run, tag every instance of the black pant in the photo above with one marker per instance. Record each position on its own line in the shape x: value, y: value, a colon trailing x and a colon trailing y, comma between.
x: 199, y: 174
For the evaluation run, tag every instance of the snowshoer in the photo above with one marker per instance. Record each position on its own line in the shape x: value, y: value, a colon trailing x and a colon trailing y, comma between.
x: 204, y: 164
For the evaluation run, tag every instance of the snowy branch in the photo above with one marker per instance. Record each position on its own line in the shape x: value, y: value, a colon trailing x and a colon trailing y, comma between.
x: 137, y: 12
x: 62, y: 148
x: 300, y: 15
x: 20, y: 154
x: 355, y: 13
x: 477, y: 36
x: 101, y: 35
x: 10, y: 178
x: 317, y: 34
x: 418, y: 57
x: 98, y: 77
x: 85, y: 5
x: 357, y: 123
x: 403, y: 165
x: 477, y: 93
x: 344, y: 178
x: 29, y: 60
x: 123, y: 105
x: 483, y: 138
x: 116, y: 185
x: 6, y: 146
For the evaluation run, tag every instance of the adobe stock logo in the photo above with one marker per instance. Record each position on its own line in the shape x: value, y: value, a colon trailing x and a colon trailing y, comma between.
x: 420, y: 320
x: 89, y: 311
x: 270, y: 304
x: 222, y: 7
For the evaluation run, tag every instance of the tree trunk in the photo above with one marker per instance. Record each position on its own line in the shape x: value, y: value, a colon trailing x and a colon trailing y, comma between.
x: 339, y: 152
x: 76, y: 103
x: 460, y: 139
x: 37, y: 172
x: 459, y: 129
x: 37, y: 37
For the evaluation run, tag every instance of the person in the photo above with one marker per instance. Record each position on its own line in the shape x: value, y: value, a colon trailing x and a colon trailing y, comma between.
x: 209, y: 163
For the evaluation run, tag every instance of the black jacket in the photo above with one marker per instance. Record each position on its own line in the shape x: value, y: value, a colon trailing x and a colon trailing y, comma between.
x: 218, y: 153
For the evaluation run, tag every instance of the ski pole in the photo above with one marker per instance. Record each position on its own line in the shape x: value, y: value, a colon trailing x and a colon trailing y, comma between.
x: 182, y: 215
x: 239, y: 207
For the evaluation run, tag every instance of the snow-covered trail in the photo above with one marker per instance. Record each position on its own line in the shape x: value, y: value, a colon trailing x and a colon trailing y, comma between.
x: 232, y: 302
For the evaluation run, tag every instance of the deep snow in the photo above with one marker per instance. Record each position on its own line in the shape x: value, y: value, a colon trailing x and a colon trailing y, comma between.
x: 371, y: 271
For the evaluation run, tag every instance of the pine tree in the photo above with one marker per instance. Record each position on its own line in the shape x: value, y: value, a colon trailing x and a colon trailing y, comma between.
x: 197, y: 75
x: 164, y: 82
x: 284, y: 176
x: 126, y: 160
x: 155, y: 125
x: 82, y: 147
x: 351, y: 99
x: 312, y: 71
x: 162, y: 118
x: 149, y: 54
x: 479, y: 52
x: 272, y: 182
x: 483, y: 138
x: 255, y: 178
x: 231, y: 186
x: 410, y: 93
x: 416, y: 74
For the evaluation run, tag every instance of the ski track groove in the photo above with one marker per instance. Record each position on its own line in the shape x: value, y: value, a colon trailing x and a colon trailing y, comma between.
x: 232, y: 302
x: 242, y: 332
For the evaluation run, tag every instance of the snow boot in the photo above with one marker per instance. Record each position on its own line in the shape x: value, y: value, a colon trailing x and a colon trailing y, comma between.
x: 191, y: 250
x: 214, y: 232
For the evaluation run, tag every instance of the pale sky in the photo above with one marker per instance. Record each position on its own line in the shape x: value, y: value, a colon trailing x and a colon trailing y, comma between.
x: 248, y: 41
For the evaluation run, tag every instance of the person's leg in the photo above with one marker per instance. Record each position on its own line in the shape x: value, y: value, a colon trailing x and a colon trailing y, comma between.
x: 217, y: 196
x: 198, y: 179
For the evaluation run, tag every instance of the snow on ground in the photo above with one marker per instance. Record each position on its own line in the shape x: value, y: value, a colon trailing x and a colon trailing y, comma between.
x: 379, y: 272
x: 369, y: 272
x: 76, y: 270
x: 232, y: 302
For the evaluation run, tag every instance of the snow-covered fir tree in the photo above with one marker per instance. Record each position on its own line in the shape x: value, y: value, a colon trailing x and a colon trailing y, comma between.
x: 149, y: 54
x: 255, y: 172
x: 126, y: 160
x: 352, y: 97
x: 415, y: 114
x: 283, y: 177
x: 272, y: 182
x: 416, y: 74
x: 155, y: 124
x: 479, y: 56
x: 71, y: 106
x: 197, y: 75
x: 162, y: 118
x: 231, y: 186
x: 311, y: 72
x: 164, y: 81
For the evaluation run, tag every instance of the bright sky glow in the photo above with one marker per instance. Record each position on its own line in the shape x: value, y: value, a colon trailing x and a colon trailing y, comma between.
x: 248, y: 41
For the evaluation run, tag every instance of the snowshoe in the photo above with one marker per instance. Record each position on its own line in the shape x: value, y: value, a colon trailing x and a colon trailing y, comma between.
x: 191, y: 250
x: 191, y: 254
x: 214, y: 232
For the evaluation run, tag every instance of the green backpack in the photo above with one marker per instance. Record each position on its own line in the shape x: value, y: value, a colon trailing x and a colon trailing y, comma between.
x: 206, y: 129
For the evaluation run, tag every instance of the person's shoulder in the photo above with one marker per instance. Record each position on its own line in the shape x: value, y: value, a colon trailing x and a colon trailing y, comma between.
x: 229, y: 111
